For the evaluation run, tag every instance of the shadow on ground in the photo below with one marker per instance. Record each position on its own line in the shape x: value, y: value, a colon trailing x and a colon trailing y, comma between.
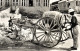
x: 28, y: 46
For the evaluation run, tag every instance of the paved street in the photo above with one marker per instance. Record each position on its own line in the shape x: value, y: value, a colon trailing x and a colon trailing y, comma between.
x: 33, y: 47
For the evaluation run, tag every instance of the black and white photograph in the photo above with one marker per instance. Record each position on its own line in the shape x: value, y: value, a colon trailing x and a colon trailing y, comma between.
x: 39, y: 25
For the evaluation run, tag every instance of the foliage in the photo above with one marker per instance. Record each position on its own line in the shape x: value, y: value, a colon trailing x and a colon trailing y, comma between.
x: 31, y: 14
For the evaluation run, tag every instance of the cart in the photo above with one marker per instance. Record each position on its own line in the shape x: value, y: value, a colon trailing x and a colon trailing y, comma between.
x: 47, y: 31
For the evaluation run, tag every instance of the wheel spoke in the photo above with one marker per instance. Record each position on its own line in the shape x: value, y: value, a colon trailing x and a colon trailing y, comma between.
x: 47, y: 24
x: 54, y: 26
x: 68, y: 34
x: 48, y: 38
x: 39, y: 32
x: 51, y: 38
x: 54, y: 33
x: 43, y: 21
x: 64, y: 35
x: 41, y: 38
x: 57, y: 34
x: 40, y: 35
x: 54, y: 38
x: 55, y: 30
x: 47, y: 21
x: 41, y: 26
x: 62, y: 38
x: 51, y: 23
x: 45, y: 38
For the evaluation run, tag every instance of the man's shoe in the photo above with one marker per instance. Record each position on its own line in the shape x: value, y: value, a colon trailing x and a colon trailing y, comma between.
x: 73, y: 48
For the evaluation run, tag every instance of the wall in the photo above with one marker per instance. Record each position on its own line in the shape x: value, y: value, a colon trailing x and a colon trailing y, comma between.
x: 34, y: 9
x: 3, y: 3
x: 27, y: 8
x: 72, y: 4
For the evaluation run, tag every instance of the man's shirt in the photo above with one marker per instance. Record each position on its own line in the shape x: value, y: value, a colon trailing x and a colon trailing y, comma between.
x: 74, y: 21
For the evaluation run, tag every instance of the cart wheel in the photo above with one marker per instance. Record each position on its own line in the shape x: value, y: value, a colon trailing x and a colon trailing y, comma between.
x: 48, y: 32
x: 65, y: 35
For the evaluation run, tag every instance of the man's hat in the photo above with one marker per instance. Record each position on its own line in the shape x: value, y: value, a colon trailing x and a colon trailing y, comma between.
x: 71, y: 10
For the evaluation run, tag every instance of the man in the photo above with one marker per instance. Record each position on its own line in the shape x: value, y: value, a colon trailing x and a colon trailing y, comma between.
x: 74, y: 29
x: 10, y: 22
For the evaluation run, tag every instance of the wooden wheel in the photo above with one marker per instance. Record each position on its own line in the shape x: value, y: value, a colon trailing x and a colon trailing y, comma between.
x: 48, y: 32
x: 65, y: 35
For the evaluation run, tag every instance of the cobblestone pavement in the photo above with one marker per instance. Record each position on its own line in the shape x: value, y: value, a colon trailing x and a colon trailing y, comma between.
x: 62, y: 46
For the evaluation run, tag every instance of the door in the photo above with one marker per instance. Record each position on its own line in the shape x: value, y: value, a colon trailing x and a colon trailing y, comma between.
x: 30, y: 2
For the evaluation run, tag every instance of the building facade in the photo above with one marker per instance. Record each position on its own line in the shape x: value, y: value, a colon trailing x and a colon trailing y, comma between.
x: 28, y: 5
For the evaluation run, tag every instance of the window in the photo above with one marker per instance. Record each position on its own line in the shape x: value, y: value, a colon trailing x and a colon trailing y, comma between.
x: 7, y: 3
x: 77, y: 3
x: 23, y: 2
x: 30, y: 2
x: 46, y: 2
x: 15, y: 2
x: 38, y: 2
x: 1, y: 2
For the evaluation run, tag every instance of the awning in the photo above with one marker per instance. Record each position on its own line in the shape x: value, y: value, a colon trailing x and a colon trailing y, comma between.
x: 51, y: 1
